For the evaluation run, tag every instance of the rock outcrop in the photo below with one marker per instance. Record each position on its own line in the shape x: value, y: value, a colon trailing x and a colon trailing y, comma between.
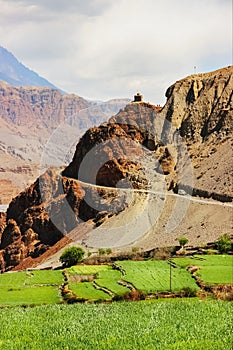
x: 49, y: 209
x: 30, y: 229
x: 200, y: 108
x: 107, y: 154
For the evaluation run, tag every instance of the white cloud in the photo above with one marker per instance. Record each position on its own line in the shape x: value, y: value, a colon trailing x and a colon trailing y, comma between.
x: 106, y: 48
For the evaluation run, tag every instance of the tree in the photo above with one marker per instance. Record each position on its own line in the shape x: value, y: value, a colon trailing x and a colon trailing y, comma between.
x: 101, y: 251
x: 183, y: 241
x: 224, y: 244
x: 71, y: 256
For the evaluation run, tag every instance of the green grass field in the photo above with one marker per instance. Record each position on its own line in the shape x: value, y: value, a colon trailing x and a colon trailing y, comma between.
x: 45, y: 277
x: 205, y: 260
x: 86, y: 269
x: 29, y: 296
x: 12, y: 280
x: 88, y: 291
x: 154, y: 276
x: 26, y: 288
x: 214, y: 269
x: 149, y: 325
x: 109, y: 279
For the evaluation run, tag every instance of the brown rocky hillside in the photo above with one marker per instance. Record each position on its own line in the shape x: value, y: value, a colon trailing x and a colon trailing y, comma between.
x: 33, y: 121
x: 195, y: 123
x: 153, y: 154
x: 201, y: 108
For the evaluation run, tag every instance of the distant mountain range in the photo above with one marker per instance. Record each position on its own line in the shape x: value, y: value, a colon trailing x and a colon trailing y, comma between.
x: 15, y: 73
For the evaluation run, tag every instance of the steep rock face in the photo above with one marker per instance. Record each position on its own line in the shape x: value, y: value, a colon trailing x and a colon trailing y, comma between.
x: 32, y: 222
x: 200, y: 107
x: 28, y: 116
x: 2, y: 223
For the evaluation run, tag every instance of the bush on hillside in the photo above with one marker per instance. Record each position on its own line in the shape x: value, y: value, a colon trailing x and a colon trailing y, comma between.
x: 71, y: 256
x: 183, y: 241
x: 101, y: 251
x: 224, y: 244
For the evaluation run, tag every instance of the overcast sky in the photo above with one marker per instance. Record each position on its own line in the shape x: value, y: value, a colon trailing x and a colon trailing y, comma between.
x: 103, y: 49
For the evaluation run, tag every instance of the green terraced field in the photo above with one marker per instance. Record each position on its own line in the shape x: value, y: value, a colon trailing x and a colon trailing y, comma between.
x: 214, y: 269
x: 176, y: 324
x: 34, y: 287
x: 154, y: 276
x: 216, y: 274
x: 87, y: 290
x: 109, y: 279
x: 12, y: 279
x: 29, y: 296
x: 45, y: 277
x: 205, y: 260
x: 86, y: 269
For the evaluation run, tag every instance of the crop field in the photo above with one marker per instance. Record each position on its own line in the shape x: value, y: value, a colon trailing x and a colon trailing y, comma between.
x: 12, y: 280
x: 87, y: 269
x: 205, y: 260
x: 88, y: 291
x: 214, y: 269
x: 49, y: 277
x: 109, y: 279
x: 147, y: 276
x: 103, y: 276
x: 29, y: 296
x: 26, y: 288
x: 154, y: 276
x: 101, y: 282
x: 176, y: 324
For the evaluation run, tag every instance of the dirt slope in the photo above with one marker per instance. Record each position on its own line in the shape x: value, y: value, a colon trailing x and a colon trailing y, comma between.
x: 144, y: 157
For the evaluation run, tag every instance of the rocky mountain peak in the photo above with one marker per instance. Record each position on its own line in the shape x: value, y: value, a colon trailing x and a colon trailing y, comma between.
x: 201, y: 105
x: 16, y: 74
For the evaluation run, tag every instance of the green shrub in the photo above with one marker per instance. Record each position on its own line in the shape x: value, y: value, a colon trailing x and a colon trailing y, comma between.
x: 101, y: 251
x: 71, y: 256
x: 224, y: 244
x: 183, y: 241
x: 108, y: 251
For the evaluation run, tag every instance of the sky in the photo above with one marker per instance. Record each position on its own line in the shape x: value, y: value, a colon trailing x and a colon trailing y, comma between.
x: 103, y: 49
